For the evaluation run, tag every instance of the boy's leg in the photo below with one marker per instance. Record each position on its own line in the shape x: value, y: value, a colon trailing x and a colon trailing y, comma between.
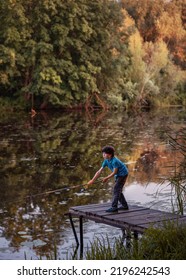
x: 117, y: 192
x: 122, y: 199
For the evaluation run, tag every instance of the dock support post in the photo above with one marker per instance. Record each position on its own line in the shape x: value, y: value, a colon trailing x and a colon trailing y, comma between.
x: 81, y: 235
x: 126, y: 236
x: 135, y: 235
x: 128, y: 239
x: 74, y: 230
x: 123, y: 235
x: 136, y: 245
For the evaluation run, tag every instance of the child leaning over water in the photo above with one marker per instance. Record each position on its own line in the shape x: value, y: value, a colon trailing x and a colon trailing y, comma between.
x: 120, y: 172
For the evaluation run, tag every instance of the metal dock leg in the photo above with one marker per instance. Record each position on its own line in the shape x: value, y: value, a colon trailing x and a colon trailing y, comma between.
x: 73, y: 228
x: 135, y: 235
x: 81, y: 235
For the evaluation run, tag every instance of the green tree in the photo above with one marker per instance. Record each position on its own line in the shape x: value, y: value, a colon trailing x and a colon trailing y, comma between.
x: 59, y: 52
x: 13, y: 34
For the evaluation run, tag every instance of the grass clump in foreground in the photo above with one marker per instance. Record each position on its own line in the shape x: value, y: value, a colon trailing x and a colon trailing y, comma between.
x: 167, y: 243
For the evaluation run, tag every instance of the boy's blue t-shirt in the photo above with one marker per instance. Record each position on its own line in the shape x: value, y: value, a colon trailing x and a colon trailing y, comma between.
x: 116, y: 163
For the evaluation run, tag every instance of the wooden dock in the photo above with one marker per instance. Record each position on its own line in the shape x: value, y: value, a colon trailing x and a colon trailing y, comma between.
x: 137, y: 219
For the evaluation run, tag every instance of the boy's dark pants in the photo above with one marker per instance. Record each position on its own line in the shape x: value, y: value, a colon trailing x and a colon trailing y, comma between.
x: 117, y: 192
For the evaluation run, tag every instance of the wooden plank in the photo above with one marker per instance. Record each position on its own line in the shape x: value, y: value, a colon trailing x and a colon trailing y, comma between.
x: 109, y: 215
x: 143, y: 215
x: 177, y: 221
x: 91, y: 206
x: 97, y: 206
x: 147, y: 220
x: 101, y: 208
x: 131, y: 209
x: 130, y: 213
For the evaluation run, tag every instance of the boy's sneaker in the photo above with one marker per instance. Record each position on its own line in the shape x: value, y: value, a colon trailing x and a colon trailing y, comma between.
x: 123, y: 208
x: 111, y: 210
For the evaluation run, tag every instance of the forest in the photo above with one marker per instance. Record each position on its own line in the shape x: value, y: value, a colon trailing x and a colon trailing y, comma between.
x: 92, y: 53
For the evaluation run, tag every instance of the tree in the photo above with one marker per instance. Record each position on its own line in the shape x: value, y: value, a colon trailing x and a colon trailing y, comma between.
x: 59, y: 52
x: 13, y: 34
x: 171, y: 30
x: 145, y: 14
x: 161, y: 19
x: 149, y: 63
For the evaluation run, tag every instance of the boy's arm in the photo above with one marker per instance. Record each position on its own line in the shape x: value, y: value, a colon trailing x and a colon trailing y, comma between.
x: 111, y: 175
x: 97, y: 174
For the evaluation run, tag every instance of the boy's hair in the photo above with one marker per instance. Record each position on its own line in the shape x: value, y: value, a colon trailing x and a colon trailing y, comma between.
x: 108, y: 150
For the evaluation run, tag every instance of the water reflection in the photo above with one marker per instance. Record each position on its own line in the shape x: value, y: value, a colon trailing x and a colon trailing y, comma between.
x: 52, y: 151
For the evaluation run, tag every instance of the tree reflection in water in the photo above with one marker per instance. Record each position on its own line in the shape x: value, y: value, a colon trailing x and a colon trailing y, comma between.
x: 60, y: 149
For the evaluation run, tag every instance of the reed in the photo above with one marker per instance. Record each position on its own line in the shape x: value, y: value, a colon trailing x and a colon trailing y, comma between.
x: 167, y: 243
x: 178, y: 179
x: 103, y: 249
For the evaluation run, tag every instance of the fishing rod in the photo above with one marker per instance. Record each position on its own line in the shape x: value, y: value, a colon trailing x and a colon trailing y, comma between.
x: 61, y: 189
x: 53, y: 191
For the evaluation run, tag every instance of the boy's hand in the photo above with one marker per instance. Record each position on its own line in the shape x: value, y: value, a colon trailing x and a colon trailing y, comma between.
x: 105, y: 180
x: 90, y: 182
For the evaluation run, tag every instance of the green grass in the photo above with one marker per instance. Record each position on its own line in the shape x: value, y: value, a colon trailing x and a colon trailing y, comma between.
x: 167, y: 243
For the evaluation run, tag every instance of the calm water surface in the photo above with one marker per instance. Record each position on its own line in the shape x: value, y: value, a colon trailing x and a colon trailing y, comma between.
x: 52, y: 151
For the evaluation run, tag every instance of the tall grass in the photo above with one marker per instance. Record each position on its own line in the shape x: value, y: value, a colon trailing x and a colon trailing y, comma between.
x: 167, y: 243
x: 103, y: 249
x: 178, y: 180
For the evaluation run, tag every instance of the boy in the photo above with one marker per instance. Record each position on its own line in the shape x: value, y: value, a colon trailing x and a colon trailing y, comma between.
x: 120, y: 172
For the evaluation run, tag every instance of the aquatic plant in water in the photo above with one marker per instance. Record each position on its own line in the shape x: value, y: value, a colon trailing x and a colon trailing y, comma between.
x: 178, y: 179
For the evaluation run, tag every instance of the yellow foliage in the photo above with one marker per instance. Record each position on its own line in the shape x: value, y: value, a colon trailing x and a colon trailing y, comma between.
x: 137, y: 52
x: 156, y: 56
x: 170, y: 27
x: 135, y: 43
x: 128, y: 24
x: 128, y: 20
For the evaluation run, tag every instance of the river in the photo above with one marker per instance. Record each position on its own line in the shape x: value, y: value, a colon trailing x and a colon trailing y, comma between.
x: 59, y: 150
